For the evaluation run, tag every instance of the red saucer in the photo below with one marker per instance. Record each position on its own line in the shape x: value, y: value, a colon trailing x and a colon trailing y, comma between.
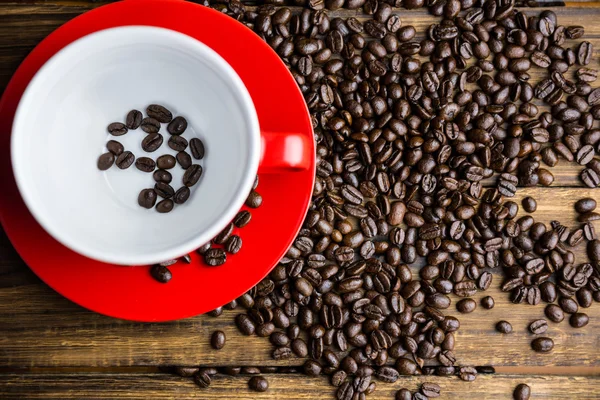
x: 130, y: 292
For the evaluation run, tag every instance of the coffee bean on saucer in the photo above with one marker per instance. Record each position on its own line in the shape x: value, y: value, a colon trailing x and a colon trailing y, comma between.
x: 178, y: 143
x: 217, y: 340
x: 147, y: 198
x: 168, y: 263
x: 105, y: 161
x: 184, y: 159
x: 166, y: 161
x: 215, y: 257
x: 254, y: 200
x: 160, y: 175
x: 242, y: 218
x: 258, y: 384
x: 164, y: 206
x: 224, y: 235
x: 204, y: 248
x: 134, y: 119
x: 233, y: 244
x: 177, y: 126
x: 181, y: 195
x: 186, y: 258
x: 150, y: 125
x: 164, y: 190
x: 160, y: 273
x: 117, y: 129
x: 192, y: 175
x: 125, y: 160
x: 152, y: 142
x: 115, y: 147
x: 159, y: 113
x: 197, y: 148
x: 145, y: 164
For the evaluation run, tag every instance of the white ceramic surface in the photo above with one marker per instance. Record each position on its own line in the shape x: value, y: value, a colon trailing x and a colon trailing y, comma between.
x: 60, y: 130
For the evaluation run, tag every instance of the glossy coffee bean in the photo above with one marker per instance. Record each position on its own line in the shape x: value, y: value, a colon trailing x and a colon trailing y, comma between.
x: 159, y: 113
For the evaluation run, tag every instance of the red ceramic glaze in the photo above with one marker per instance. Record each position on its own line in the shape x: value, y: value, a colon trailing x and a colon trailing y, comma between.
x: 130, y: 292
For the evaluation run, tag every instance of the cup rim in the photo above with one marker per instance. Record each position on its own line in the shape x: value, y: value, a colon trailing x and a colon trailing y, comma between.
x: 18, y: 139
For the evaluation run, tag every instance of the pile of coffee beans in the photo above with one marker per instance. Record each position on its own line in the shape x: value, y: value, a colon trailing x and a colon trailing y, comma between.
x: 123, y: 159
x: 408, y: 131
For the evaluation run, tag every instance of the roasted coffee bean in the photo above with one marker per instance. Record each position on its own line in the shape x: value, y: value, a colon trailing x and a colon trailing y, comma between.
x: 542, y: 344
x: 115, y: 147
x: 178, y: 143
x: 258, y: 384
x: 197, y: 148
x: 466, y: 306
x: 217, y: 340
x: 125, y: 160
x: 117, y: 129
x: 161, y: 175
x: 585, y: 205
x: 181, y: 195
x: 224, y: 235
x: 202, y: 379
x: 105, y: 161
x: 404, y: 394
x: 215, y: 257
x: 590, y: 178
x: 184, y: 159
x: 504, y: 327
x: 487, y: 302
x: 166, y: 161
x: 145, y: 164
x: 593, y: 250
x: 150, y: 125
x: 152, y: 142
x: 522, y: 392
x: 147, y: 198
x: 242, y: 219
x: 233, y: 244
x: 165, y: 206
x: 254, y: 200
x: 164, y: 190
x: 554, y: 313
x: 529, y: 204
x: 192, y: 175
x: 538, y: 327
x: 579, y: 320
x: 431, y: 390
x: 159, y: 113
x: 161, y: 273
x: 133, y: 119
x: 177, y: 126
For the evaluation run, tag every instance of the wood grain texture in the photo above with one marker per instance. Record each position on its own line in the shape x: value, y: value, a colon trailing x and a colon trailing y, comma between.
x: 281, y: 387
x: 40, y: 328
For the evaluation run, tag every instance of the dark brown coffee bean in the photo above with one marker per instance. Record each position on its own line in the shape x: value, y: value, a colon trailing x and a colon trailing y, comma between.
x: 538, y: 327
x: 164, y: 190
x: 245, y: 324
x: 178, y: 143
x: 133, y: 119
x: 159, y: 113
x: 184, y: 159
x: 181, y: 195
x: 117, y: 129
x: 585, y: 205
x: 197, y: 148
x: 529, y: 204
x: 522, y: 392
x: 466, y: 306
x: 105, y: 161
x: 579, y: 320
x: 161, y: 175
x: 147, y: 198
x: 542, y: 344
x: 589, y: 231
x: 215, y: 257
x: 233, y: 244
x: 192, y: 175
x: 593, y: 250
x: 224, y: 235
x: 554, y: 313
x: 150, y: 125
x: 487, y: 302
x: 404, y: 394
x: 217, y: 340
x: 177, y: 126
x: 202, y: 379
x: 145, y: 164
x: 164, y: 206
x: 258, y: 384
x: 152, y: 142
x: 590, y: 178
x: 125, y: 160
x: 431, y: 390
x: 242, y: 219
x: 584, y: 53
x: 161, y: 273
x: 254, y: 200
x: 115, y: 147
x: 504, y: 327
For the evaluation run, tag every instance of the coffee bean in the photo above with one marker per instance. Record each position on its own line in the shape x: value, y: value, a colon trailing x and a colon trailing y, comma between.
x: 233, y: 244
x: 178, y: 143
x: 202, y: 379
x: 217, y: 340
x: 164, y: 190
x: 224, y: 235
x: 245, y: 324
x: 487, y: 302
x: 125, y: 160
x: 539, y: 326
x: 590, y: 178
x: 254, y: 200
x: 177, y: 126
x: 133, y: 119
x: 197, y: 148
x: 192, y: 175
x: 466, y: 306
x: 579, y: 320
x: 150, y: 125
x: 215, y: 257
x: 159, y: 113
x: 529, y: 204
x: 147, y: 198
x: 431, y: 390
x: 522, y: 392
x: 181, y: 195
x: 504, y: 327
x: 117, y: 129
x: 152, y: 142
x: 593, y: 250
x: 164, y: 206
x: 184, y: 159
x: 585, y: 205
x: 161, y: 273
x: 584, y: 53
x: 115, y: 147
x: 242, y: 219
x: 161, y: 175
x: 589, y: 231
x: 542, y: 344
x: 105, y: 161
x: 404, y: 394
x: 145, y: 164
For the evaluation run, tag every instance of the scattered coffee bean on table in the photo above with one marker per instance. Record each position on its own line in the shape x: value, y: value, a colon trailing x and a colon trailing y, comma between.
x: 529, y: 204
x: 538, y: 327
x: 258, y: 384
x: 217, y: 340
x: 487, y: 302
x: 504, y: 327
x: 522, y: 392
x: 542, y: 345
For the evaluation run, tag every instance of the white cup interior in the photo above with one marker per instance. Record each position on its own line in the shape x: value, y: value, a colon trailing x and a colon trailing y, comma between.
x: 60, y: 130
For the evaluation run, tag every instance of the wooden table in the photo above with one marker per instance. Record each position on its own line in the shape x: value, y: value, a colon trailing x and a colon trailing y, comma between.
x: 52, y: 348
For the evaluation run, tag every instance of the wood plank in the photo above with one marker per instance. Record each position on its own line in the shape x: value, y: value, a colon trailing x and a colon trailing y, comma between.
x: 40, y: 328
x: 281, y: 386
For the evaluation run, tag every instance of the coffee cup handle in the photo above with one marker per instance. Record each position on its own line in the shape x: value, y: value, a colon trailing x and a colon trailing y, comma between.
x: 284, y: 151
